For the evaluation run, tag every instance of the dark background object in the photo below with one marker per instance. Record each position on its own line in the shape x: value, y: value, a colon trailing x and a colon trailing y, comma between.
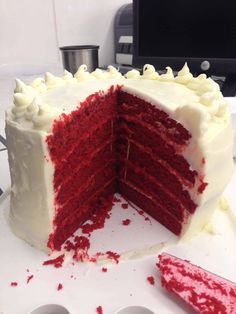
x: 74, y: 56
x: 201, y: 33
x: 123, y: 27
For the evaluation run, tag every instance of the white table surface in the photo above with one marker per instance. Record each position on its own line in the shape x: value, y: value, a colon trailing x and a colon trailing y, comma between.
x: 124, y: 283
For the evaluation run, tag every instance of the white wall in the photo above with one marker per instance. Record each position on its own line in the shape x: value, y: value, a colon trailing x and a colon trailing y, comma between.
x: 31, y: 31
x: 27, y: 32
x: 88, y: 22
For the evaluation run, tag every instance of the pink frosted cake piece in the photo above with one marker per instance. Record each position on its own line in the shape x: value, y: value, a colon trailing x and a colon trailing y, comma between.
x: 203, y: 291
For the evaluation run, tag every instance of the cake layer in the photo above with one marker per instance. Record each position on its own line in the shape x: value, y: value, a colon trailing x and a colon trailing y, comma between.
x: 83, y: 172
x: 131, y: 106
x: 150, y: 165
x: 100, y: 178
x: 99, y: 202
x: 137, y: 133
x: 150, y: 186
x: 83, y: 148
x: 150, y: 206
x: 96, y: 108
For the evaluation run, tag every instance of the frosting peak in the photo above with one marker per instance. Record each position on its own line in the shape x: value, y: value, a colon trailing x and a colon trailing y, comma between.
x: 26, y: 104
x: 19, y: 86
x: 168, y: 76
x: 68, y: 77
x: 82, y: 74
x: 114, y: 73
x: 44, y: 118
x: 52, y: 81
x: 133, y: 74
x: 184, y: 75
x: 150, y: 73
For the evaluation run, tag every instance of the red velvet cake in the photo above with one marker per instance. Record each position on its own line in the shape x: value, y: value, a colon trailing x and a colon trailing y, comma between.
x: 205, y: 292
x: 120, y: 149
x: 75, y: 141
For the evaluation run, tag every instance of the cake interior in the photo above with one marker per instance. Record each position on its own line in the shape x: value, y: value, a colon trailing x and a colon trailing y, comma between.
x: 117, y: 142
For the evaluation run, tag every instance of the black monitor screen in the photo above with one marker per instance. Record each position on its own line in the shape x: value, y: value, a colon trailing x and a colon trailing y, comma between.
x: 189, y: 29
x: 185, y: 29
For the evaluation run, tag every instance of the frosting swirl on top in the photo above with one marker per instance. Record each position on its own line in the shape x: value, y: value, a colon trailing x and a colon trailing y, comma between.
x: 168, y: 76
x: 68, y: 77
x: 184, y: 75
x: 26, y: 104
x: 82, y: 74
x: 133, y: 74
x: 150, y: 73
x: 39, y: 85
x: 53, y: 81
x: 19, y: 86
x: 32, y: 110
x: 44, y: 118
x: 100, y: 74
x: 21, y: 102
x: 113, y: 73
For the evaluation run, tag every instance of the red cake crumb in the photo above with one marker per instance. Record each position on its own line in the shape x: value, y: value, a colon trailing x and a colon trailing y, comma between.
x: 125, y: 205
x: 113, y: 256
x: 56, y: 262
x: 204, y: 291
x: 94, y: 258
x: 104, y: 269
x: 99, y: 310
x: 126, y: 222
x: 202, y: 185
x: 203, y: 161
x: 30, y: 278
x: 139, y: 211
x: 80, y: 247
x: 116, y: 200
x: 14, y: 284
x: 151, y: 280
x: 97, y: 220
x: 59, y: 287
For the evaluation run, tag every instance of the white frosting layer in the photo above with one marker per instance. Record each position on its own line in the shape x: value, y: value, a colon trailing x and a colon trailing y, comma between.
x: 195, y: 102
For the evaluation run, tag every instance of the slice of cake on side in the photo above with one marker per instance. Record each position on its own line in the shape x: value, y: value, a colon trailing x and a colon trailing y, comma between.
x: 163, y: 142
x: 205, y: 292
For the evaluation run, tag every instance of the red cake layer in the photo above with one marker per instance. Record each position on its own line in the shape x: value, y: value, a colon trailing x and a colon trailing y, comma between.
x: 203, y: 291
x: 118, y: 142
x: 149, y: 186
x: 70, y: 128
x: 157, y: 172
x: 83, y: 172
x: 150, y: 206
x: 134, y: 106
x: 100, y: 135
x: 136, y: 132
x: 81, y: 148
x: 100, y: 202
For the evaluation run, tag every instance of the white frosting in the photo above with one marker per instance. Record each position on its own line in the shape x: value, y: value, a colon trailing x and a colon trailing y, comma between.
x: 132, y: 74
x: 82, y: 74
x: 150, y: 73
x: 195, y: 102
x: 43, y: 119
x: 53, y: 81
x: 39, y: 85
x: 184, y: 76
x: 68, y: 77
x: 168, y: 76
x: 113, y: 73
